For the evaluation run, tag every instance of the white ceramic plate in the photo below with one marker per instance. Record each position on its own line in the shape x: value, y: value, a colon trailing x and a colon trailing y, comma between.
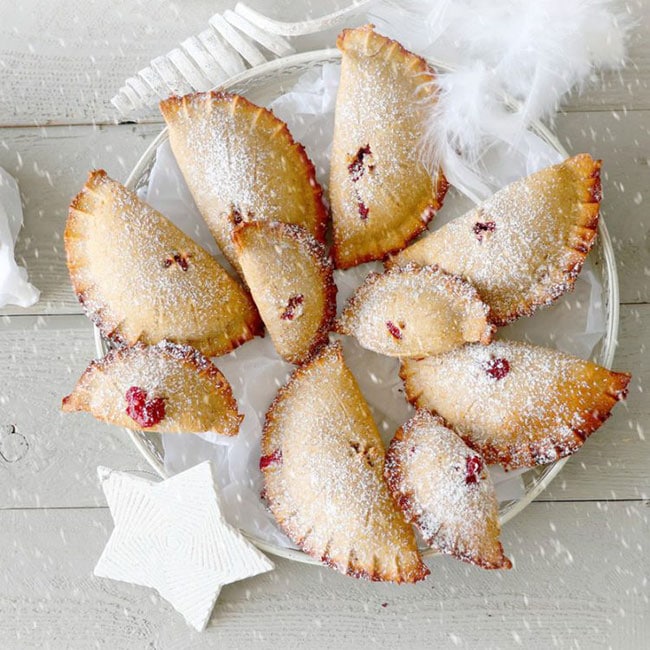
x: 262, y: 85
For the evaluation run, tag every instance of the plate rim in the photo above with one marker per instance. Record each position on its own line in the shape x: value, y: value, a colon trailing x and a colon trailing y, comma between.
x: 610, y: 339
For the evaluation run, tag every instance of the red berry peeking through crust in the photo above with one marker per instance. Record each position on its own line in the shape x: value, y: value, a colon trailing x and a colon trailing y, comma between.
x: 293, y: 308
x: 394, y: 330
x: 145, y: 412
x: 497, y: 368
x: 480, y: 228
x: 473, y: 469
x: 271, y: 459
x: 356, y: 167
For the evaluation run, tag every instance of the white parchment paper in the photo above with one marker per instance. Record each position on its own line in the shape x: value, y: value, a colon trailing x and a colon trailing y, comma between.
x: 574, y: 324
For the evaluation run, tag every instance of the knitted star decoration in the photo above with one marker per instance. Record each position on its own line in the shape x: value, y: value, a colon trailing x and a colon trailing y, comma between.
x: 171, y: 536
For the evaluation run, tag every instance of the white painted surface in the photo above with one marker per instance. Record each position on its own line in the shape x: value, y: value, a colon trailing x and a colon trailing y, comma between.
x: 581, y: 559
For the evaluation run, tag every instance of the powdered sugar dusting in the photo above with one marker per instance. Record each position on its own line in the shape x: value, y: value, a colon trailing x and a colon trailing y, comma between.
x: 291, y: 279
x: 540, y: 410
x: 379, y: 190
x: 241, y: 164
x: 456, y: 513
x: 522, y: 247
x: 415, y: 311
x: 118, y: 252
x: 328, y: 492
x: 195, y: 396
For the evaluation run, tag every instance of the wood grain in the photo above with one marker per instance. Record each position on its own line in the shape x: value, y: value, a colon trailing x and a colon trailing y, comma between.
x: 61, y: 64
x: 553, y: 597
x: 48, y: 458
x: 51, y: 165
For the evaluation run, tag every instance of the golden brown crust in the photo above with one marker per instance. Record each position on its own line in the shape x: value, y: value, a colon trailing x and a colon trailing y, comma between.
x: 201, y: 165
x: 415, y: 311
x: 382, y: 547
x: 295, y: 346
x: 544, y: 408
x: 393, y: 190
x: 477, y: 543
x: 547, y: 246
x: 99, y: 389
x: 131, y: 287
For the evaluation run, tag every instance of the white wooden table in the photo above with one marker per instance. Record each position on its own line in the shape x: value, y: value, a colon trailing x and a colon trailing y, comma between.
x: 580, y: 551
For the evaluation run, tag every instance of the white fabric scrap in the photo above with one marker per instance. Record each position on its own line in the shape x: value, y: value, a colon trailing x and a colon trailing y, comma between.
x: 14, y: 287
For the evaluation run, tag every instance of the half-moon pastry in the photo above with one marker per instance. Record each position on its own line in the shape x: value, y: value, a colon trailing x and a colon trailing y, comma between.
x: 516, y: 404
x: 380, y: 193
x: 166, y: 388
x: 139, y: 278
x: 524, y: 246
x: 415, y: 311
x: 242, y: 164
x: 323, y: 463
x: 444, y: 488
x: 291, y: 280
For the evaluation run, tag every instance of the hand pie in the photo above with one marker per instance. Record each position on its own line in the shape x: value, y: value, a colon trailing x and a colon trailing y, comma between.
x: 166, y: 388
x: 444, y: 488
x: 381, y: 195
x: 524, y: 246
x: 139, y: 278
x: 323, y: 464
x: 414, y: 312
x: 290, y: 278
x: 516, y: 404
x: 241, y: 164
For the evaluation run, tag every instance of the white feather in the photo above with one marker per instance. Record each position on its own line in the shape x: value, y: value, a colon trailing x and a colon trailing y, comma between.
x: 533, y: 51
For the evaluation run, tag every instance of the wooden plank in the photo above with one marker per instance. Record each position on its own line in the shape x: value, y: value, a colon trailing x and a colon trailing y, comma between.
x: 53, y: 456
x: 622, y: 140
x: 614, y: 462
x: 51, y: 165
x: 48, y: 458
x: 61, y: 65
x: 557, y: 595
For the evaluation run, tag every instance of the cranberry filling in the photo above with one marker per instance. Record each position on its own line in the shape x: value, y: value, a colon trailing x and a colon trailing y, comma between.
x: 145, y: 412
x: 290, y: 310
x: 271, y: 459
x: 482, y: 227
x: 363, y: 210
x: 236, y: 215
x: 473, y: 469
x: 181, y: 259
x: 356, y: 168
x: 394, y: 331
x: 497, y: 368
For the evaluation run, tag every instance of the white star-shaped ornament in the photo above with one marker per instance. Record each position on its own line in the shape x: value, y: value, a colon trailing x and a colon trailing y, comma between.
x: 171, y: 536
